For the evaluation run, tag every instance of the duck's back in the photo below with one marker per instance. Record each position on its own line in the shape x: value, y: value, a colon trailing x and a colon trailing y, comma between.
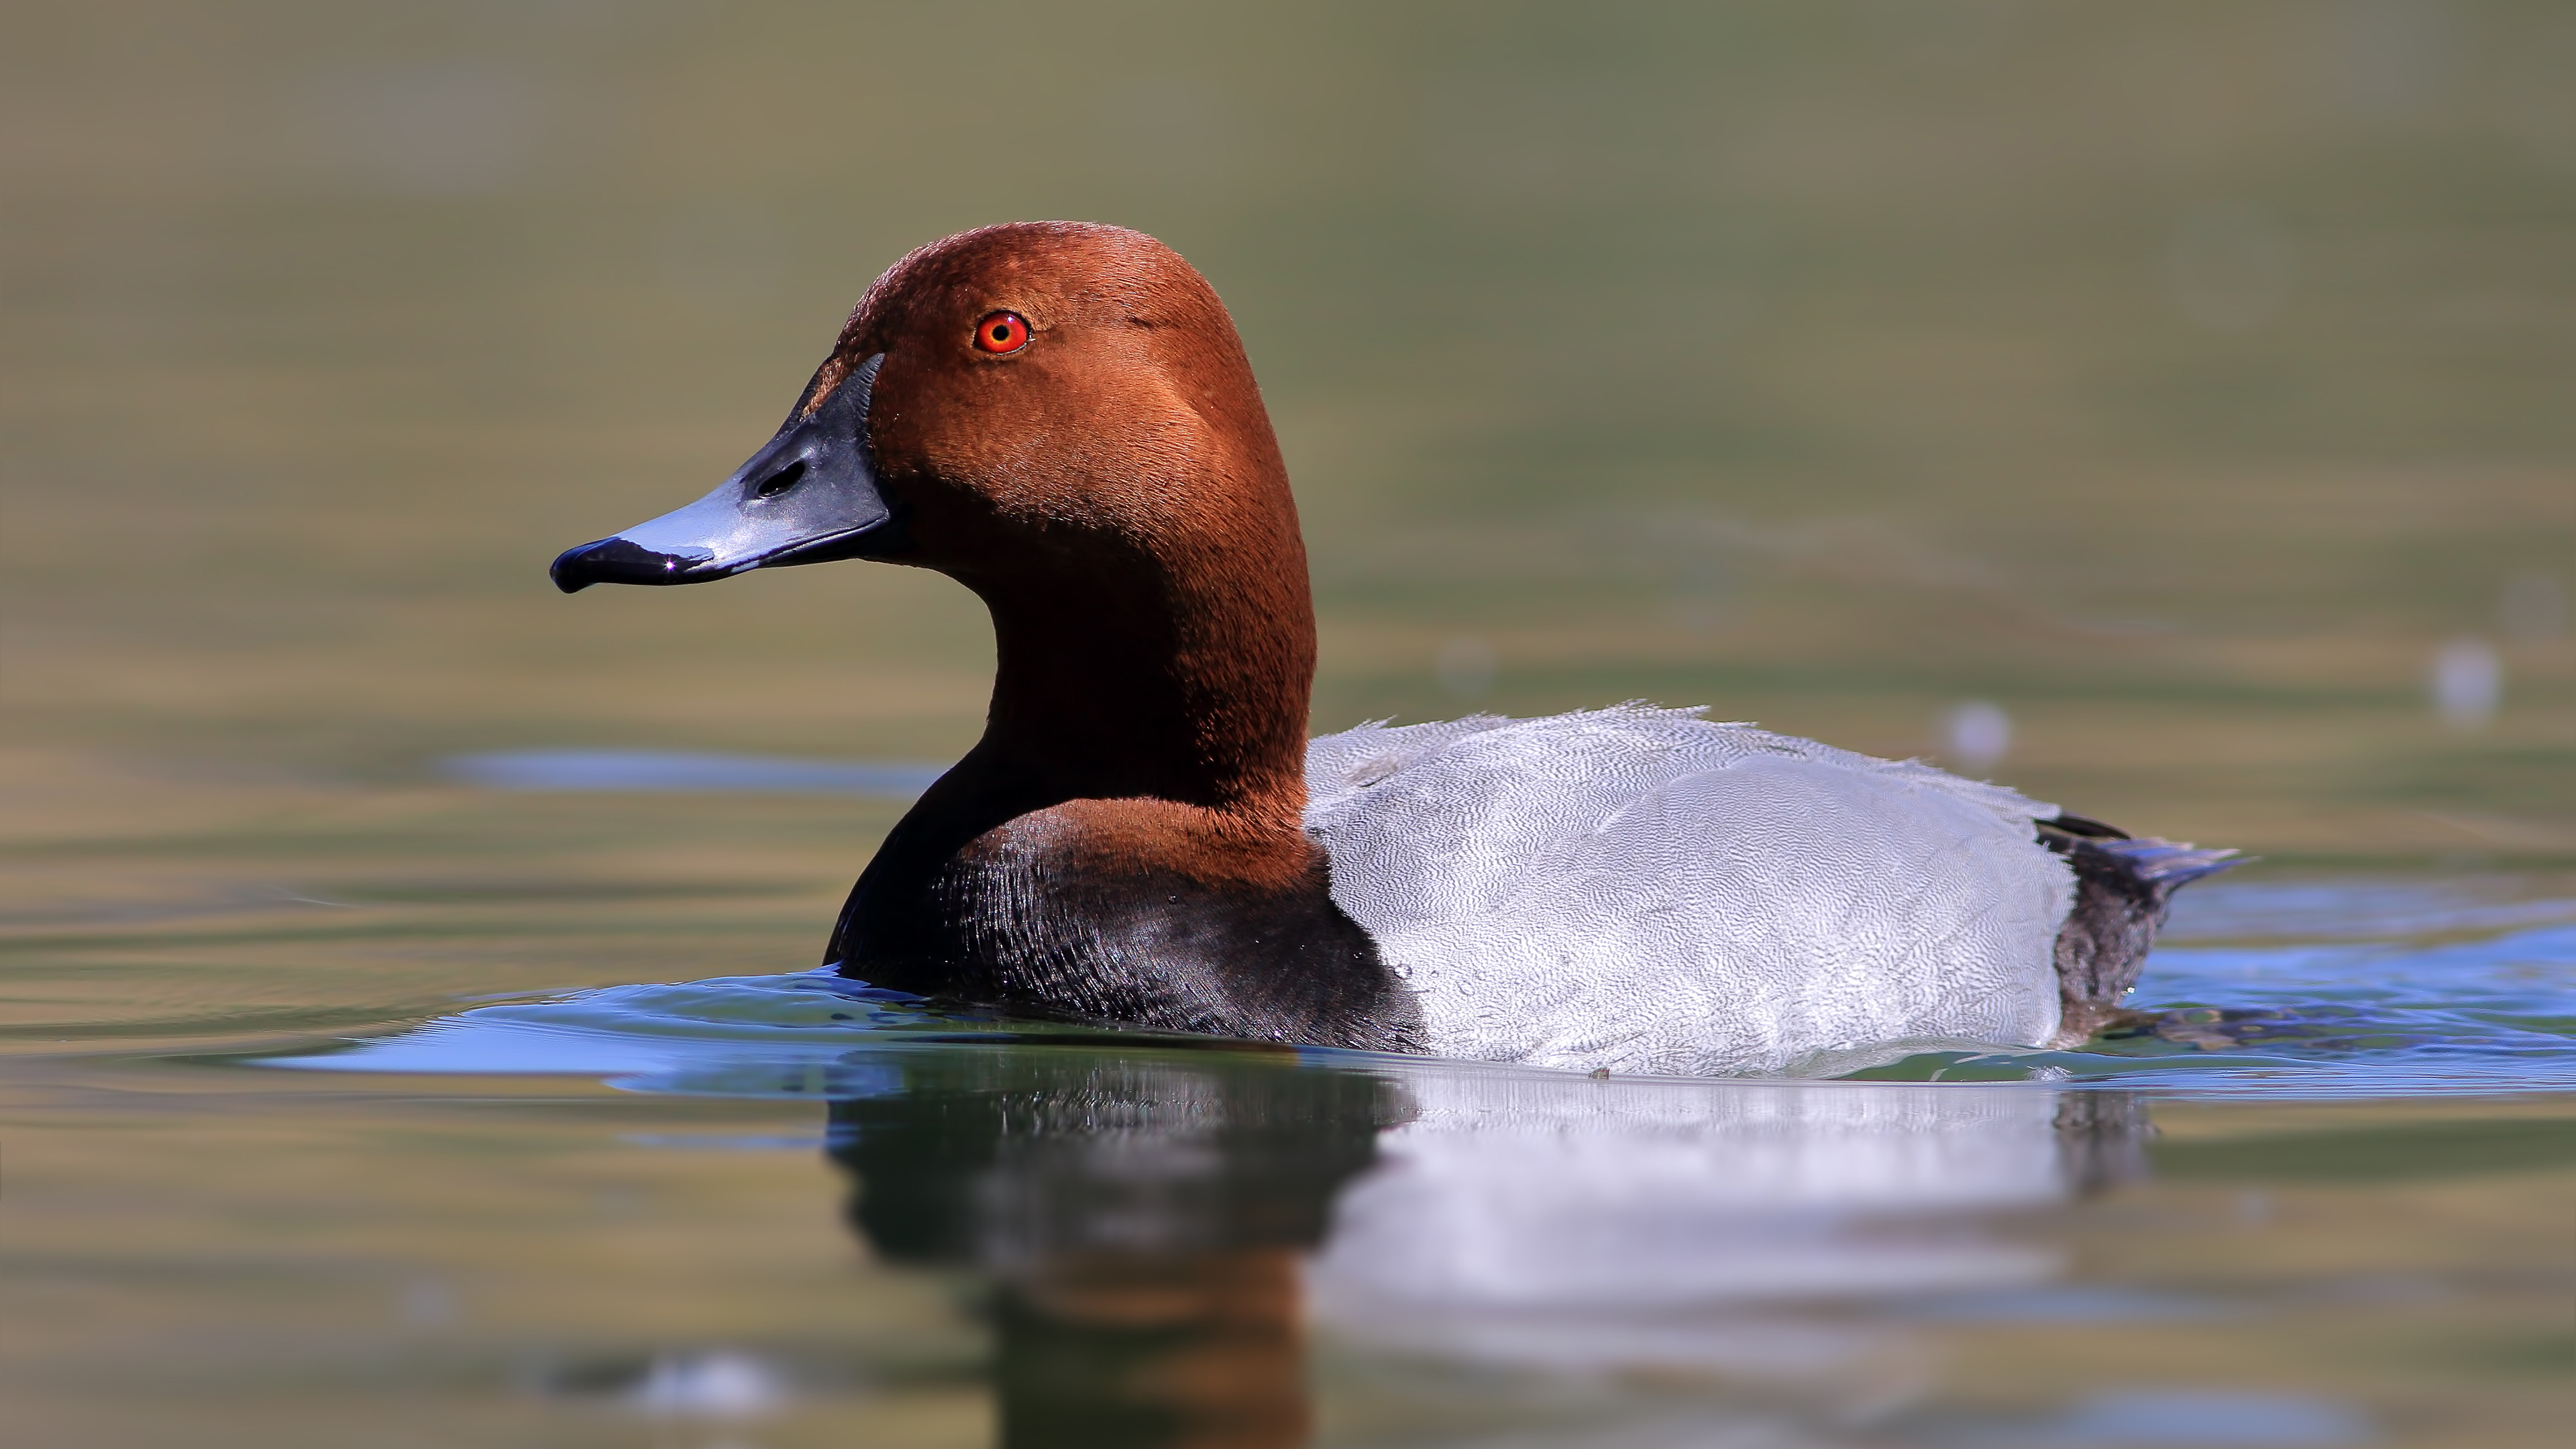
x: 1644, y: 890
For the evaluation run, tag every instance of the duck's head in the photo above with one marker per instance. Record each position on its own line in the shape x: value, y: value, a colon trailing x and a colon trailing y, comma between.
x: 1030, y: 399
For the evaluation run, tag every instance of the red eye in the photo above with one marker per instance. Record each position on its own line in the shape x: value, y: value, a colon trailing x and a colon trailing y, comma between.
x: 1002, y: 332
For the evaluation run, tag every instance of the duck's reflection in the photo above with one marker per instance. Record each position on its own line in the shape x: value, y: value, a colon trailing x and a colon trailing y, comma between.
x: 1762, y: 1239
x: 1142, y: 1220
x: 1158, y: 1231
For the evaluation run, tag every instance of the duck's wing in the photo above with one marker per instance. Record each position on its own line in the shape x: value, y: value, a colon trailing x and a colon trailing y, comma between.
x: 1646, y: 890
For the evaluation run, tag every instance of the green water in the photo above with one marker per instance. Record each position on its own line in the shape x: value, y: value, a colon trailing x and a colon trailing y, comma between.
x: 2184, y: 382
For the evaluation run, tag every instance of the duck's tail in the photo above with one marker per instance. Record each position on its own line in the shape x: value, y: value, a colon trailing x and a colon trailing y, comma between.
x: 2122, y: 888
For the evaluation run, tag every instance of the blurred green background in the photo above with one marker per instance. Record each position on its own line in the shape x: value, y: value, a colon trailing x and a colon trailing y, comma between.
x: 2178, y: 380
x: 2146, y: 405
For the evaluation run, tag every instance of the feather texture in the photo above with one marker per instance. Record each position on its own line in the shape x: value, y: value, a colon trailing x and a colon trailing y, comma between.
x: 1642, y: 890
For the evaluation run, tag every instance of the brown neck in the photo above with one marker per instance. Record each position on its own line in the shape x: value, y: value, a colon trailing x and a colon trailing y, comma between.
x: 1179, y: 673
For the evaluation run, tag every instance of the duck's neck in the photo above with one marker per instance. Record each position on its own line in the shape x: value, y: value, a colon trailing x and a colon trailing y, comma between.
x: 1125, y: 843
x: 1182, y: 679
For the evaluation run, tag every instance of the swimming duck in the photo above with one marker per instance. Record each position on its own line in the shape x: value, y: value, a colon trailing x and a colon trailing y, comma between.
x: 1061, y: 417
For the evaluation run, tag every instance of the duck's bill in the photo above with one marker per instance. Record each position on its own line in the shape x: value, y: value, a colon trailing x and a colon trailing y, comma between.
x: 810, y: 494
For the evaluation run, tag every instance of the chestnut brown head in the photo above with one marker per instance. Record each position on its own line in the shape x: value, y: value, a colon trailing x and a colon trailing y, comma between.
x: 1020, y: 398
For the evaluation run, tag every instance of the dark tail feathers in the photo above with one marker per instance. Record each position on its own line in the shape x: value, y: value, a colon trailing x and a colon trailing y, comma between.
x: 2122, y: 887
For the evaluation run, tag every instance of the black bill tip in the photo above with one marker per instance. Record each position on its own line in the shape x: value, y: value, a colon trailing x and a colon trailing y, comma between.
x: 618, y: 561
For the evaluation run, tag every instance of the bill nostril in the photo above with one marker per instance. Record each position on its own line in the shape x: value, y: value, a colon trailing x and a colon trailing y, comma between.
x: 780, y: 481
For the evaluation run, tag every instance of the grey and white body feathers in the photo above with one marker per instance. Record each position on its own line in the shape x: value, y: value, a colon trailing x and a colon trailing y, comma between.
x: 1642, y: 890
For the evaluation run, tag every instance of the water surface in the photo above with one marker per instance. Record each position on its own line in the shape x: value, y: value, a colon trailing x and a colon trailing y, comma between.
x: 2159, y: 409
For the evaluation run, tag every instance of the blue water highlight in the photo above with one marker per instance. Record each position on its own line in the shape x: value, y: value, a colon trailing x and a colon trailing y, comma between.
x: 689, y: 772
x: 2332, y: 989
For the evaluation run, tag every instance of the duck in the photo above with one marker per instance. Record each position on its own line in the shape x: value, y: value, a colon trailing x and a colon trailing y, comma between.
x: 1061, y: 417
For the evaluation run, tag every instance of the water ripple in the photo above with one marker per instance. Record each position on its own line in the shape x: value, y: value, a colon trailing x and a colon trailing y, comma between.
x: 2326, y: 1015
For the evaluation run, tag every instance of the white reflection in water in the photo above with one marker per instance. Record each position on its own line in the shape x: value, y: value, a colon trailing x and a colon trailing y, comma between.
x: 1593, y: 1227
x: 717, y: 1385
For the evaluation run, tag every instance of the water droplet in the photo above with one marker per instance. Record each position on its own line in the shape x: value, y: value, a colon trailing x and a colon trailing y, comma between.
x: 1977, y: 735
x: 2468, y: 683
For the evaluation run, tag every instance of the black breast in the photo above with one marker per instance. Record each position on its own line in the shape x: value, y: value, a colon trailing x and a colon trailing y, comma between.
x: 1015, y: 928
